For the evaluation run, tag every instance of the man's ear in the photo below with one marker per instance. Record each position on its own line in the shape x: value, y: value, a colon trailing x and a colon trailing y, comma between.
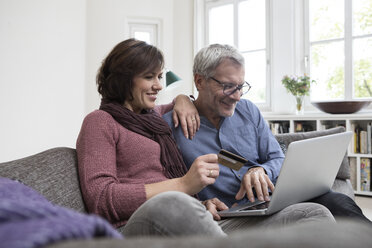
x: 199, y: 81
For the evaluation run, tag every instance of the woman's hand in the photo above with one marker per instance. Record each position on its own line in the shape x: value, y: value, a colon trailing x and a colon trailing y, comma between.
x: 203, y: 171
x: 213, y: 206
x: 185, y: 113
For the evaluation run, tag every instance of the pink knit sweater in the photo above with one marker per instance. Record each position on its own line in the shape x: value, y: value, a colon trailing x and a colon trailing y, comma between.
x: 114, y: 165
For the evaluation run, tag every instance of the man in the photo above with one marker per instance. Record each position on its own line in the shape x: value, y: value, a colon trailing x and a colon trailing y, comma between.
x: 237, y: 125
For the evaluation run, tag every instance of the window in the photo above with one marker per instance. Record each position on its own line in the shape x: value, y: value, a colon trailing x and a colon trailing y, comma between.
x: 339, y: 47
x: 145, y: 29
x: 245, y: 25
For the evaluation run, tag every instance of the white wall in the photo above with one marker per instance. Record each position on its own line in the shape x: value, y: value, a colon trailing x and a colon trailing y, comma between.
x: 50, y: 51
x: 106, y: 26
x: 183, y: 56
x: 41, y: 73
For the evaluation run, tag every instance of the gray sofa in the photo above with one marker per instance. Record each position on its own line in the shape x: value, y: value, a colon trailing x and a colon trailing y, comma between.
x: 53, y: 173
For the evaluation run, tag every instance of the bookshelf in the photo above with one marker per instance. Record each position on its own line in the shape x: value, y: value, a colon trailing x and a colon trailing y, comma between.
x: 360, y: 163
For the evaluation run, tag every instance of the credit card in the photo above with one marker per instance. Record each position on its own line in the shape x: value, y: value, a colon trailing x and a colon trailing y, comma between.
x: 231, y: 160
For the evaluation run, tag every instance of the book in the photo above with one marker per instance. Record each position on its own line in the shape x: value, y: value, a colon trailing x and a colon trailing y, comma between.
x: 358, y: 129
x: 353, y: 172
x: 298, y: 127
x: 363, y: 142
x: 353, y: 141
x: 279, y: 127
x: 365, y: 174
x: 275, y: 128
x: 369, y: 138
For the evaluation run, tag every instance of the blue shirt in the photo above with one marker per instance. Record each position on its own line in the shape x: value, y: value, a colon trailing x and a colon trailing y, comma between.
x: 245, y: 133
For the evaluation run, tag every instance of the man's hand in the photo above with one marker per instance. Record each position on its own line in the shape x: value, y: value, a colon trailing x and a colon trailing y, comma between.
x: 255, y: 178
x: 186, y: 114
x: 213, y: 206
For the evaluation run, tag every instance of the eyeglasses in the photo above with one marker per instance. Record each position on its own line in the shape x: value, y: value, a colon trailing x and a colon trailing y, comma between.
x: 229, y: 88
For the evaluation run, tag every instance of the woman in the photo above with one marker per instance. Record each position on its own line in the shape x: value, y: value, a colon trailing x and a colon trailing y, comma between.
x: 126, y: 154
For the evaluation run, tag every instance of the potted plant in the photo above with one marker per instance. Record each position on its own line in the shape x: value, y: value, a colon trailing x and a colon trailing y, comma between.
x: 299, y: 87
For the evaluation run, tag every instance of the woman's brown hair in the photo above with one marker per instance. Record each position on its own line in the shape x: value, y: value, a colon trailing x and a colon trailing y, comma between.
x: 127, y: 59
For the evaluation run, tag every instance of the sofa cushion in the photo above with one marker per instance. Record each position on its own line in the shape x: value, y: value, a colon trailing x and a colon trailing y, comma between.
x: 285, y: 139
x: 344, y: 186
x: 53, y: 173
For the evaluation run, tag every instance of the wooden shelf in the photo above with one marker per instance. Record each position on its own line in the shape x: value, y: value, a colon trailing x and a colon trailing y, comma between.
x: 284, y: 123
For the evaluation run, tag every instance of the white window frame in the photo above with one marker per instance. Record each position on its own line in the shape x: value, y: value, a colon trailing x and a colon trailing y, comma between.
x: 153, y: 26
x: 201, y: 8
x: 348, y: 47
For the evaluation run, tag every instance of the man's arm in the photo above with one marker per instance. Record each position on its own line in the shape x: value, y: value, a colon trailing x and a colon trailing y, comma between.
x: 263, y: 176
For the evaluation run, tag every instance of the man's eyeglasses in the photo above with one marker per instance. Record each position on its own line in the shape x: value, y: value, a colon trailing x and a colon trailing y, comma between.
x: 229, y: 89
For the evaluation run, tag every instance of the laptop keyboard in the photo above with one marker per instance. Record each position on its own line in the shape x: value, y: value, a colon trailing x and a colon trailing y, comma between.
x: 259, y: 206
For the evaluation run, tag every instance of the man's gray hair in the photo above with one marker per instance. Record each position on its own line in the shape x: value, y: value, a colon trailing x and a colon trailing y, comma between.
x: 209, y: 58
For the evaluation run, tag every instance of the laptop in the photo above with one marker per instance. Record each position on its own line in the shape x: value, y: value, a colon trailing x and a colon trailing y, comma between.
x: 309, y: 170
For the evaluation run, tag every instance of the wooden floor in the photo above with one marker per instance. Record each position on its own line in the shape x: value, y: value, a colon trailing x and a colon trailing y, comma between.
x: 365, y: 203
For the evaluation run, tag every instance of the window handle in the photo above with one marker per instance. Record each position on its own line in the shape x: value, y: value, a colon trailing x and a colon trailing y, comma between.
x: 306, y: 61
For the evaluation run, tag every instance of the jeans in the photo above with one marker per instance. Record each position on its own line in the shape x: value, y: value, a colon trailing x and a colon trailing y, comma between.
x: 296, y: 213
x: 177, y: 214
x: 172, y: 214
x: 341, y: 205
